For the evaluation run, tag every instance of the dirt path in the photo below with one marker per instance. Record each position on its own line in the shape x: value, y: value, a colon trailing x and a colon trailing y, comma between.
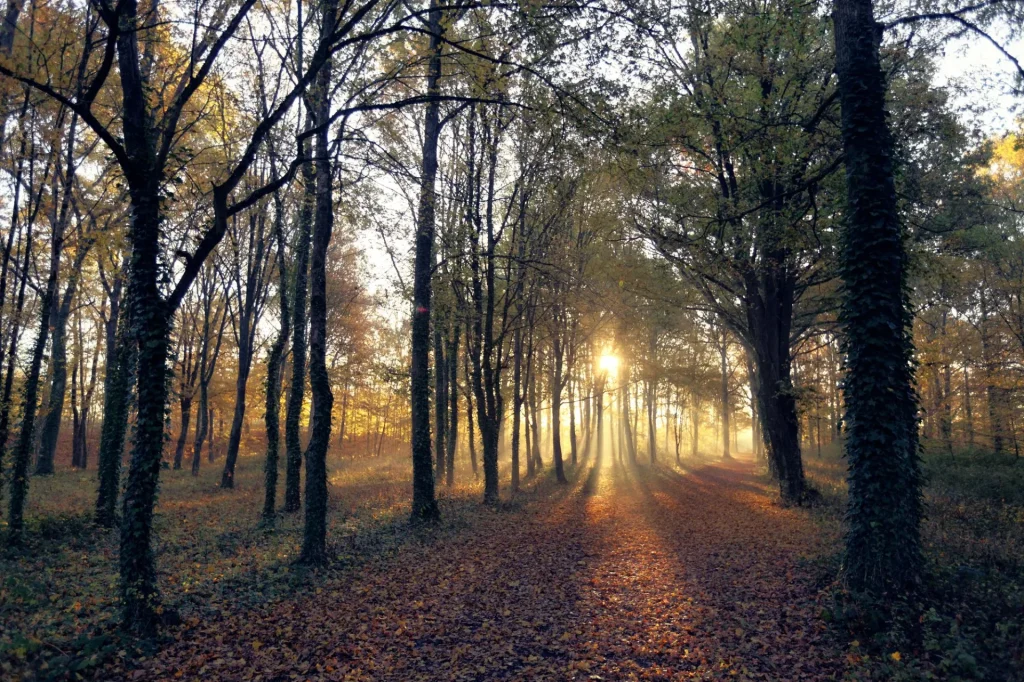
x: 647, y: 574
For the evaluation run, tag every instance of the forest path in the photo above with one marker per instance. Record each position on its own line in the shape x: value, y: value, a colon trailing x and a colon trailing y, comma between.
x: 642, y: 573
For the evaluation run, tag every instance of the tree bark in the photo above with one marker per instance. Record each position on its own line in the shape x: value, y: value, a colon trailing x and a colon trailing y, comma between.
x: 118, y: 381
x: 517, y: 402
x: 556, y: 407
x: 30, y: 398
x: 314, y: 536
x: 883, y: 553
x: 440, y: 402
x: 424, y: 503
x: 272, y: 415
x: 453, y: 398
x: 186, y: 417
x: 297, y: 388
x: 59, y: 319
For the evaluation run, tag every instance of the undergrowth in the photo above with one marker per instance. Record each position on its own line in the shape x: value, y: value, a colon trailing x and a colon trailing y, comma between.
x: 966, y: 621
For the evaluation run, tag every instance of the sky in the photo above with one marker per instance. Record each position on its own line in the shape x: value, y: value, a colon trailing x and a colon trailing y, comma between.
x: 979, y: 74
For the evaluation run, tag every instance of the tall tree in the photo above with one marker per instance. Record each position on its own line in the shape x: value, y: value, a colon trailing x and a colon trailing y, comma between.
x: 424, y: 503
x: 883, y: 547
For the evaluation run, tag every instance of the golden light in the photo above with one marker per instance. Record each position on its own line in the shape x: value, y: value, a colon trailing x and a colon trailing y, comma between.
x: 608, y: 365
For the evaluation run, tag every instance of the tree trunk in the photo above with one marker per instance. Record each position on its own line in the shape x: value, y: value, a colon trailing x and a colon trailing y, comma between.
x: 883, y: 553
x: 424, y: 504
x: 556, y: 409
x: 150, y: 327
x: 630, y: 443
x: 573, y: 454
x: 272, y: 415
x: 471, y: 430
x: 186, y: 416
x: 470, y: 427
x: 314, y: 536
x: 76, y: 425
x: 297, y: 388
x: 652, y: 420
x: 517, y: 402
x: 993, y: 392
x: 12, y: 350
x: 695, y: 421
x: 453, y: 398
x: 30, y: 401
x: 531, y: 462
x: 533, y: 419
x: 227, y: 479
x: 50, y: 431
x: 726, y: 407
x: 117, y: 388
x: 440, y: 402
x: 588, y: 409
x: 968, y: 411
x: 59, y: 314
x: 344, y: 415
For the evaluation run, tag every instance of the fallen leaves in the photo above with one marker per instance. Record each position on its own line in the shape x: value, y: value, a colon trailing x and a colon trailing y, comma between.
x: 657, y: 576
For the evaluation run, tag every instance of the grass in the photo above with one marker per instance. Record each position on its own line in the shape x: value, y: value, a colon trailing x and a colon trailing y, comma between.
x: 967, y: 623
x: 58, y: 594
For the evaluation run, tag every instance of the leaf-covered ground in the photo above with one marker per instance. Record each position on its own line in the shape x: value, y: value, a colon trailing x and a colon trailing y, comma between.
x: 631, y: 573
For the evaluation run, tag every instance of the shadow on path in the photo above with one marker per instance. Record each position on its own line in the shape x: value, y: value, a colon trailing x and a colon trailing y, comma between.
x: 628, y: 573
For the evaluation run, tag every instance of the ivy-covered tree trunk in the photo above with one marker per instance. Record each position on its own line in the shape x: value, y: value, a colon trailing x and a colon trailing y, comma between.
x: 314, y: 536
x: 424, y: 503
x: 297, y: 388
x: 12, y: 353
x: 272, y: 416
x: 117, y: 389
x: 883, y: 550
x: 7, y: 357
x: 150, y: 329
x: 30, y: 401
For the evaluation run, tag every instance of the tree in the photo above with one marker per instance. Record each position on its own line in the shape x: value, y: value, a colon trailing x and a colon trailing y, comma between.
x: 883, y: 547
x: 424, y: 504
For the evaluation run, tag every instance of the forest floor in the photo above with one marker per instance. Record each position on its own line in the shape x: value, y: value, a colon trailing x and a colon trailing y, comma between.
x: 636, y: 573
x: 628, y: 573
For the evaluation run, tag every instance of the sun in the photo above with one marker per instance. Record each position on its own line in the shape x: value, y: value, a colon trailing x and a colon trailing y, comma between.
x: 608, y: 364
